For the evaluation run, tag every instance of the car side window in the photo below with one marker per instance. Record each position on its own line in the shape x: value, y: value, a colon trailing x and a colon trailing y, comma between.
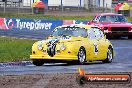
x: 121, y: 19
x: 95, y: 33
x: 102, y: 19
x: 98, y: 33
x: 91, y: 34
x: 101, y: 34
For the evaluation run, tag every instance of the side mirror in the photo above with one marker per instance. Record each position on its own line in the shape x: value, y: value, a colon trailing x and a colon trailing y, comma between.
x: 49, y: 37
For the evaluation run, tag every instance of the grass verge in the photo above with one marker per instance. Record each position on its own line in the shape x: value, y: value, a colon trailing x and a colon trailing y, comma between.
x: 41, y: 16
x: 13, y: 49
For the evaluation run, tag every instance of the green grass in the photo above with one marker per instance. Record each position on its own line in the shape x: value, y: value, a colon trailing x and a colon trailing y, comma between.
x: 13, y: 49
x: 40, y: 16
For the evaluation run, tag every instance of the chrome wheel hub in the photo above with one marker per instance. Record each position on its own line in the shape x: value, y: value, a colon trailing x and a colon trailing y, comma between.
x: 81, y: 56
x: 110, y: 55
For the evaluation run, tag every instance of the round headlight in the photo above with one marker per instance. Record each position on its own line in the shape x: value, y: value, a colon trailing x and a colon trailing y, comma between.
x: 40, y: 46
x: 63, y: 47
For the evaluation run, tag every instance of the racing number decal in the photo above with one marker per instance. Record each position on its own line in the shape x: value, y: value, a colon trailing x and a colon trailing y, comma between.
x: 95, y: 49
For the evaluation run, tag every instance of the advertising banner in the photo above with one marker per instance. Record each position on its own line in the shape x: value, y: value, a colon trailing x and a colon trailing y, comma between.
x: 34, y: 24
x: 2, y: 23
x: 28, y: 24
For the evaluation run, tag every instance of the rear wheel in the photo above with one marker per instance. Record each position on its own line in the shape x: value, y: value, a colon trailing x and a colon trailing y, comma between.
x: 38, y: 62
x: 81, y: 55
x: 109, y: 58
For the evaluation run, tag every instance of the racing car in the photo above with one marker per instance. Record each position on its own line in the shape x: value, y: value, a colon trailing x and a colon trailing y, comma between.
x: 113, y: 25
x: 73, y: 44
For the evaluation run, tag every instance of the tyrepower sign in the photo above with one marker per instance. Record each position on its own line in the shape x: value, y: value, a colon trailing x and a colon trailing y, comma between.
x: 28, y: 24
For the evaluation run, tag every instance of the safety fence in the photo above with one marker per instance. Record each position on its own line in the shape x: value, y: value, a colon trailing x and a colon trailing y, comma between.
x: 26, y: 6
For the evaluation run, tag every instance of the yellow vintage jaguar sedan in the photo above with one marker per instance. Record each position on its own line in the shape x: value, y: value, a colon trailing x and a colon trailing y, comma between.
x: 73, y: 43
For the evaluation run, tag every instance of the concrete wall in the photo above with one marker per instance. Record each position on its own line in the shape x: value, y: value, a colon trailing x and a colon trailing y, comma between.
x: 54, y: 2
x: 107, y: 3
x: 27, y: 2
x: 97, y: 3
x: 12, y: 3
x: 66, y: 2
x: 104, y: 3
x: 86, y: 4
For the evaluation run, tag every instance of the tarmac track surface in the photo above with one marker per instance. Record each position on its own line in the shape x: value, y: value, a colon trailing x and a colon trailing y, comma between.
x: 122, y: 63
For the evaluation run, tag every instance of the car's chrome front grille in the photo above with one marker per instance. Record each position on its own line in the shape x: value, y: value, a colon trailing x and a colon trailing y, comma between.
x: 51, y: 49
x: 119, y: 29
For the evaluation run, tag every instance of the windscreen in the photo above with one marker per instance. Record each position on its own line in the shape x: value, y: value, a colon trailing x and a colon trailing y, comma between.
x: 70, y: 31
x: 112, y: 19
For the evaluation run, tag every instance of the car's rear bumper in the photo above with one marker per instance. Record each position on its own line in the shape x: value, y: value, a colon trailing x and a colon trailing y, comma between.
x: 56, y: 57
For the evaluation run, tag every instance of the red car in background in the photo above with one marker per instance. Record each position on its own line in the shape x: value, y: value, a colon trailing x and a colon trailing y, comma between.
x: 113, y: 25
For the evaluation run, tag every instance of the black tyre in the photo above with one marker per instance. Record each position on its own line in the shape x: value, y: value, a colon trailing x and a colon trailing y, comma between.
x: 72, y: 63
x: 109, y: 58
x: 38, y: 62
x: 81, y: 55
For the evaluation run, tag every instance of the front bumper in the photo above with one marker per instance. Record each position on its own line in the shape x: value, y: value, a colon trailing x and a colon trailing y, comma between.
x: 56, y: 57
x: 119, y: 33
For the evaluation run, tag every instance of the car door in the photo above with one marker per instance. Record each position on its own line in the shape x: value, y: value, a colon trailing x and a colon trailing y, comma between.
x: 102, y: 44
x: 92, y: 40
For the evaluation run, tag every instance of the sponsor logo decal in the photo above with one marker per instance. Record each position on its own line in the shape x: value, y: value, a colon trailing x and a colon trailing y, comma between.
x: 9, y: 23
x: 36, y: 25
x: 95, y: 49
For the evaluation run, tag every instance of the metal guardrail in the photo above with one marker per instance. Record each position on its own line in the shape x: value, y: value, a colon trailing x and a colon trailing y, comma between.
x: 11, y: 6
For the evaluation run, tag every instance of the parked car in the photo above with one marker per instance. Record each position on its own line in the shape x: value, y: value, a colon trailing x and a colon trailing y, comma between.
x: 71, y: 44
x: 112, y: 24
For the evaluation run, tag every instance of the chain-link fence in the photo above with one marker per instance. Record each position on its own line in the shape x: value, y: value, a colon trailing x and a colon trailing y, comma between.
x: 15, y: 6
x: 25, y: 6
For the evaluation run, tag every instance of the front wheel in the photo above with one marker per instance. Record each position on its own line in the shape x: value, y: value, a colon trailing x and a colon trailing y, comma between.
x: 38, y: 62
x: 109, y: 58
x: 81, y: 55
